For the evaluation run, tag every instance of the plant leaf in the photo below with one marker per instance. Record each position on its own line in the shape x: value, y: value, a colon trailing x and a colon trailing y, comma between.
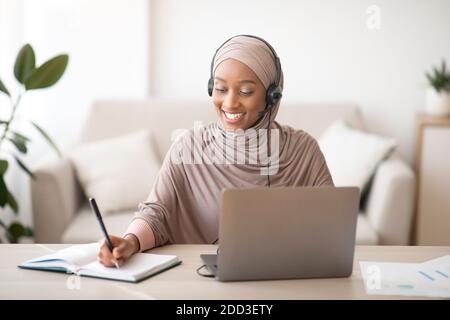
x: 47, y: 137
x: 48, y: 73
x: 19, y: 144
x: 3, y: 167
x: 436, y: 73
x: 5, y: 196
x: 12, y: 203
x: 20, y: 136
x: 2, y: 224
x: 24, y: 167
x: 3, y: 88
x: 25, y: 63
x: 28, y: 232
x: 439, y: 79
x: 3, y: 192
x: 15, y: 230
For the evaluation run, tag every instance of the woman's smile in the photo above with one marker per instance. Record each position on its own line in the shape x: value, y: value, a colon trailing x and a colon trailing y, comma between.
x: 232, y: 117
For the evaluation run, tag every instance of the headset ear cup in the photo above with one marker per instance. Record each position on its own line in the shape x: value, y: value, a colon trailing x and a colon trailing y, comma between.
x: 273, y: 94
x: 269, y: 95
x: 276, y: 95
x: 210, y: 86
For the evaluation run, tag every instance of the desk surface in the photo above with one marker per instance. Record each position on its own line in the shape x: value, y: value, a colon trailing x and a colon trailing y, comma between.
x: 182, y: 282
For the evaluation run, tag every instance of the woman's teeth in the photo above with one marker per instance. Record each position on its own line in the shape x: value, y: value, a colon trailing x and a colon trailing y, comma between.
x: 233, y: 116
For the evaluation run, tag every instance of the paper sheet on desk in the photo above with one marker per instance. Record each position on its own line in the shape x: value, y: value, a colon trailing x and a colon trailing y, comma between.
x: 429, y: 279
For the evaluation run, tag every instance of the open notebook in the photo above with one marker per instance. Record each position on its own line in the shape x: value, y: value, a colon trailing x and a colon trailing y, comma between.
x: 82, y: 260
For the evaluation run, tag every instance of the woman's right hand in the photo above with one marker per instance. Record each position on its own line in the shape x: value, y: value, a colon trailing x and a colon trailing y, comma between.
x: 123, y: 249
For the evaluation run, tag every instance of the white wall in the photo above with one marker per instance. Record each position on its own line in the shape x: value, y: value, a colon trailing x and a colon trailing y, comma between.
x: 107, y: 41
x: 326, y: 49
x: 108, y: 46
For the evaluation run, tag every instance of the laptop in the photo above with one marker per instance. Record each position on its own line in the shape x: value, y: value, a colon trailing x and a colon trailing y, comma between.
x: 285, y: 233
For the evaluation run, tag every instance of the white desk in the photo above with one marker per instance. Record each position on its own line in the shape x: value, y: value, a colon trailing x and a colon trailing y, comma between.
x: 182, y: 282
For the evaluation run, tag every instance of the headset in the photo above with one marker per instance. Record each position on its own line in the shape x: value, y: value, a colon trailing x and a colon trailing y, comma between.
x: 273, y: 92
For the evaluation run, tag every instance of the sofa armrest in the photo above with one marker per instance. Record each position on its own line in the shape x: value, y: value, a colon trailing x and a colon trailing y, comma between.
x: 391, y: 202
x: 55, y: 196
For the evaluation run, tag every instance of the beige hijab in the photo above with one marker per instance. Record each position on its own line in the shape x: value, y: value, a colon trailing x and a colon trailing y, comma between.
x: 184, y: 203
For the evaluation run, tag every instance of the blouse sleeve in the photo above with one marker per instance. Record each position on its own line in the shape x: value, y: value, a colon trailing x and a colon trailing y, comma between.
x: 322, y: 176
x: 152, y: 222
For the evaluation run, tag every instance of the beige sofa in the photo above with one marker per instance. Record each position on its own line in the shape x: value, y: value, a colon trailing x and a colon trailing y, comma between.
x: 62, y: 214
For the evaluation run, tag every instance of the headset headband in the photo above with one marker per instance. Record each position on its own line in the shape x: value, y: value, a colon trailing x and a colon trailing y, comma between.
x: 277, y: 59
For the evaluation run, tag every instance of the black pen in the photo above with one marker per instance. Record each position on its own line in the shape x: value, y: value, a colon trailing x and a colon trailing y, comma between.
x: 102, y: 226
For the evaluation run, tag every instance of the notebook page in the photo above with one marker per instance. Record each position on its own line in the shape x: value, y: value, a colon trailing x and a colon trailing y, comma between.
x: 137, y: 266
x: 76, y: 255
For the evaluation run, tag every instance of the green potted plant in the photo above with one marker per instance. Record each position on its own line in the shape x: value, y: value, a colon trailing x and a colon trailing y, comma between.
x: 438, y: 94
x: 30, y: 77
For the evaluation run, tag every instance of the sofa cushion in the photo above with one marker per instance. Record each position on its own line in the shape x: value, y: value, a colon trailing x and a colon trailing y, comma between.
x: 353, y: 155
x: 84, y: 227
x: 117, y: 172
x: 365, y: 234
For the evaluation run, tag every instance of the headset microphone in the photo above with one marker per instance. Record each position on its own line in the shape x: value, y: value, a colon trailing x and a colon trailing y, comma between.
x: 262, y: 113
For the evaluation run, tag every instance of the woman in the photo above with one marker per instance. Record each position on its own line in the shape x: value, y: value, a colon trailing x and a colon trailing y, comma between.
x: 183, y: 206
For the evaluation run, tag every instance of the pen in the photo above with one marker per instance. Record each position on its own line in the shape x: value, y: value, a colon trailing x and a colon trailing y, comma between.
x: 102, y: 226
